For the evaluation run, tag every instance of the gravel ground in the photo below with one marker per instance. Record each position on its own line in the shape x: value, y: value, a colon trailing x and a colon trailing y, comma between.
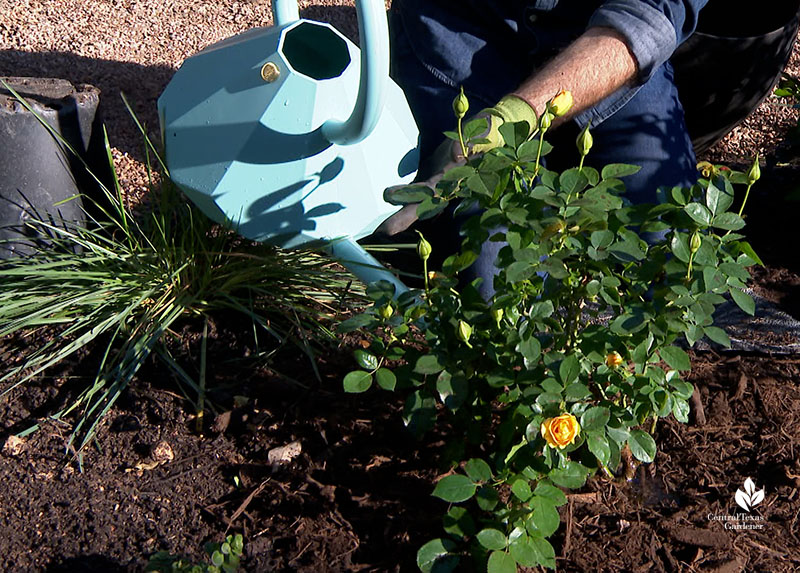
x: 134, y: 46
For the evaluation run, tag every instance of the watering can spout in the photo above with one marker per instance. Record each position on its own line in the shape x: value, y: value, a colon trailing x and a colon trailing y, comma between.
x: 373, y: 29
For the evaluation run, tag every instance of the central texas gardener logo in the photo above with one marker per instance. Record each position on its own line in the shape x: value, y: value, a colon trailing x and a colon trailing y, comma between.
x: 750, y: 497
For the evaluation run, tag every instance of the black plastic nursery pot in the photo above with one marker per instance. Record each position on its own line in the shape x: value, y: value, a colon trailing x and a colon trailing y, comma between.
x: 732, y: 63
x: 39, y: 178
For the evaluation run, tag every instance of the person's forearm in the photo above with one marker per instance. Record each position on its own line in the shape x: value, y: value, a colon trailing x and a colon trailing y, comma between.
x: 593, y: 67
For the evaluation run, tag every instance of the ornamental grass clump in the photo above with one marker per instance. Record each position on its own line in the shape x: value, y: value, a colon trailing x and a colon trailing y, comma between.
x: 123, y: 281
x: 571, y: 362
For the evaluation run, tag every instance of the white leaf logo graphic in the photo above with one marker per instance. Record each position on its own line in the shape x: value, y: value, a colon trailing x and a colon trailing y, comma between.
x: 750, y: 497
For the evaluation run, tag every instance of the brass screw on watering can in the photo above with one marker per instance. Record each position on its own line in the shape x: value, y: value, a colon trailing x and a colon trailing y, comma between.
x: 270, y: 72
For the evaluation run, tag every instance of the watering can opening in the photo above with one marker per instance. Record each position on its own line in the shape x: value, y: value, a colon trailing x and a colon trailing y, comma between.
x: 315, y: 50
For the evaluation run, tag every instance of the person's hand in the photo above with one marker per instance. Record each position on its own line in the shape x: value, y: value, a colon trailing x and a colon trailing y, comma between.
x: 450, y: 153
x: 447, y: 156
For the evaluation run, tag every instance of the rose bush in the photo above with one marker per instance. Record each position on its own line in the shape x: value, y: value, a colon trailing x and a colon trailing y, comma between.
x: 573, y: 359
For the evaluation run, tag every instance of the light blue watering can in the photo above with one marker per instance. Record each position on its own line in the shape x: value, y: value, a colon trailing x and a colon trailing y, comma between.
x: 289, y: 134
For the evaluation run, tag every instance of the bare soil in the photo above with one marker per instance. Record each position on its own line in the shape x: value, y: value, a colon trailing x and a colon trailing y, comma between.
x: 358, y: 496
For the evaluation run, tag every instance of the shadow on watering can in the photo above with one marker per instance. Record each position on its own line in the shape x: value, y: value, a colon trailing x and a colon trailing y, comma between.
x: 290, y: 134
x: 265, y: 213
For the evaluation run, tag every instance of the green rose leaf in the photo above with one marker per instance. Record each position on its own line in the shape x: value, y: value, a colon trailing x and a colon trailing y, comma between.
x: 595, y: 419
x: 617, y: 435
x: 523, y: 551
x: 487, y: 498
x: 676, y: 358
x: 428, y: 364
x: 718, y: 200
x: 728, y: 221
x: 598, y: 445
x: 519, y: 271
x: 410, y: 194
x: 458, y: 522
x: 530, y: 348
x: 699, y: 213
x: 616, y: 170
x: 627, y: 251
x: 386, y: 379
x: 569, y: 370
x: 550, y: 492
x: 643, y: 446
x: 545, y: 515
x: 602, y: 239
x: 717, y: 335
x: 743, y: 300
x: 573, y: 181
x: 577, y: 391
x: 679, y: 195
x: 572, y: 476
x: 453, y: 390
x: 483, y: 183
x: 357, y: 381
x: 521, y: 489
x: 529, y: 150
x: 437, y: 553
x: 419, y: 412
x: 515, y: 133
x: 454, y: 488
x: 500, y: 562
x: 456, y: 173
x: 366, y: 360
x: 457, y: 263
x: 492, y: 539
x: 431, y: 207
x: 680, y: 247
x: 680, y: 409
x: 478, y: 470
x: 475, y: 127
x: 545, y: 551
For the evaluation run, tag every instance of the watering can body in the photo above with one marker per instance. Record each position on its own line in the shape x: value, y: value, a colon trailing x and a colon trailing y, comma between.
x: 290, y: 137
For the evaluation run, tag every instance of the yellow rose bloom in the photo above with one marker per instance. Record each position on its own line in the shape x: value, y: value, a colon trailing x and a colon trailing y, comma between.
x: 614, y: 359
x: 561, y: 431
x: 562, y: 103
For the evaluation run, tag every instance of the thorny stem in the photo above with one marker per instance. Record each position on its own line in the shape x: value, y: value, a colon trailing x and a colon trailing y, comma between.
x: 461, y: 138
x: 425, y: 274
x: 539, y: 152
x: 746, y: 195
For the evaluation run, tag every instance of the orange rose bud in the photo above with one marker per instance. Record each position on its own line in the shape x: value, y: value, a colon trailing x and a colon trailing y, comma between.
x: 562, y: 103
x: 614, y: 359
x: 561, y: 431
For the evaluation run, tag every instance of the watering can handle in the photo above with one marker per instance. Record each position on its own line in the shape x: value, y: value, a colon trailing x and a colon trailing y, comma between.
x: 362, y: 264
x: 373, y: 29
x: 285, y: 12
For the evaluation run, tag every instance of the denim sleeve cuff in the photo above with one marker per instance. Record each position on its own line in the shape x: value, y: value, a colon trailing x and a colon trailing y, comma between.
x: 648, y: 32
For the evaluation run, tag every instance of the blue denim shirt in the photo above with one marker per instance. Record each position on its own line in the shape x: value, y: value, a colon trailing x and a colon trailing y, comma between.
x: 514, y: 37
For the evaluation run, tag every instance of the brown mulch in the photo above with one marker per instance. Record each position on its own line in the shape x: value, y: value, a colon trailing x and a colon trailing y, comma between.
x: 357, y: 498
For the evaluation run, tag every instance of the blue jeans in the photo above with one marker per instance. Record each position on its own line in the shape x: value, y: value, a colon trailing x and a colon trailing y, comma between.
x: 649, y: 130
